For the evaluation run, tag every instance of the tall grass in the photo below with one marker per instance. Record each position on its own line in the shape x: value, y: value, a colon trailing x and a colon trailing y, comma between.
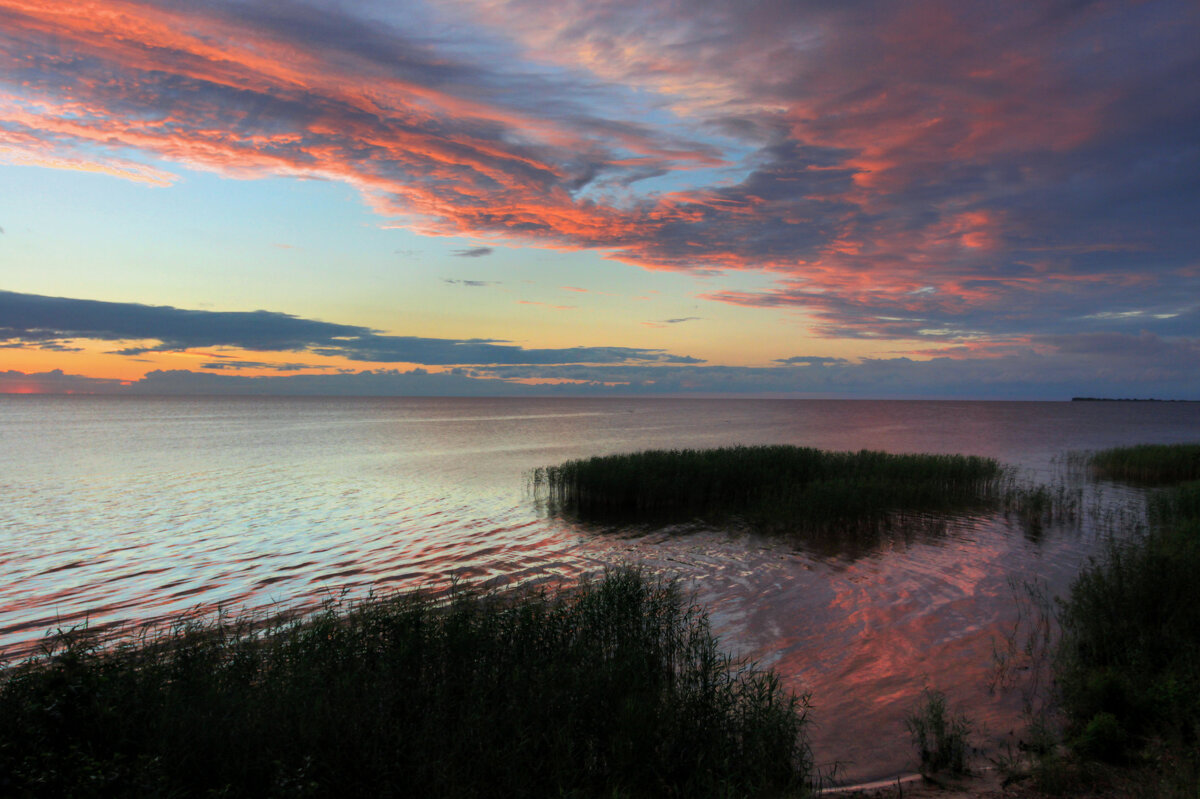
x: 1128, y: 665
x: 1131, y: 641
x: 774, y: 486
x: 614, y: 688
x: 1148, y: 463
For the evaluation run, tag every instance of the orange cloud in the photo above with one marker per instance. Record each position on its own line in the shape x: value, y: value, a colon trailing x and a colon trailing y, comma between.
x: 918, y: 161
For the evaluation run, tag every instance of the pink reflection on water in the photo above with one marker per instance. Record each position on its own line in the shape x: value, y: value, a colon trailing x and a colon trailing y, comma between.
x: 865, y: 635
x: 118, y: 511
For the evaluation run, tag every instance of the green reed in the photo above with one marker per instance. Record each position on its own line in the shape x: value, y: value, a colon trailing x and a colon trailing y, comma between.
x: 1148, y: 463
x: 613, y: 688
x: 795, y: 488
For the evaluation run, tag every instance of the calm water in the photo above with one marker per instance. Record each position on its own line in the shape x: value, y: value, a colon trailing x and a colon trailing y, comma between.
x: 119, y: 509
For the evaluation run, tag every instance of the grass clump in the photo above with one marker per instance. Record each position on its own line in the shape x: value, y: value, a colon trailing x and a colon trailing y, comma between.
x: 772, y: 486
x: 939, y: 735
x: 614, y: 688
x: 1148, y: 463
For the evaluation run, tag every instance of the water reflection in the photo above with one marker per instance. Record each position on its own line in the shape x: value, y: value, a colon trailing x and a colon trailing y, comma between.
x: 843, y: 545
x: 866, y: 623
x: 866, y: 634
x: 128, y: 509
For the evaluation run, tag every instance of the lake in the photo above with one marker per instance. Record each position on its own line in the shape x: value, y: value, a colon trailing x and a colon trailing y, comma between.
x: 128, y: 509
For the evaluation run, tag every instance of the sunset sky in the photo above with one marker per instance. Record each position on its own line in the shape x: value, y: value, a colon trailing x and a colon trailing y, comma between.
x: 833, y: 198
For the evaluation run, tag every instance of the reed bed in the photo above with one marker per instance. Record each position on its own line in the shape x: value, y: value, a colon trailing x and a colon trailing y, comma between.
x: 795, y: 488
x: 1151, y: 464
x: 614, y: 688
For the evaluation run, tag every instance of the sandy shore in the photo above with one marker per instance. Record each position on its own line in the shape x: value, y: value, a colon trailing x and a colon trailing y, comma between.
x: 983, y: 785
x: 976, y: 786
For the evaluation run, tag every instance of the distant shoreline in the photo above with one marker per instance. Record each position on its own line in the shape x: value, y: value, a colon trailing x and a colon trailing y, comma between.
x: 1127, y: 399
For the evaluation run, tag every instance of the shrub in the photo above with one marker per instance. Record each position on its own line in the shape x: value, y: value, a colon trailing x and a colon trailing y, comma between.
x: 1128, y: 662
x: 939, y: 736
x: 1103, y: 738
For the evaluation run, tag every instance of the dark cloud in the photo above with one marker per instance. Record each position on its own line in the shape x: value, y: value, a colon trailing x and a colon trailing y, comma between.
x: 55, y: 382
x: 810, y: 360
x: 474, y: 252
x: 1053, y: 367
x: 999, y: 308
x: 471, y: 283
x: 1026, y: 374
x: 45, y: 341
x: 1141, y: 351
x: 31, y: 317
x: 383, y: 382
x: 57, y: 346
x: 35, y: 319
x: 275, y: 367
x: 676, y: 321
x: 444, y: 352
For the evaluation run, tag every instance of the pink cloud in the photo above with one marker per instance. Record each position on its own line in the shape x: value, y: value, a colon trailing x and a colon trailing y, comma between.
x: 899, y: 168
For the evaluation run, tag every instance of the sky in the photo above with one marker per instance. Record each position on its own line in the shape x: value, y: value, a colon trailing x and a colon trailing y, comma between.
x: 835, y: 198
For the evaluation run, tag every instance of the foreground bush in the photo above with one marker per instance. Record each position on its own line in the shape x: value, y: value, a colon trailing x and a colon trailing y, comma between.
x: 1128, y: 666
x: 939, y: 735
x: 616, y: 688
x: 786, y: 486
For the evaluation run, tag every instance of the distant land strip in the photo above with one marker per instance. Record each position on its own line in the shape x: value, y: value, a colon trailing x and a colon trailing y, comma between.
x: 1127, y: 399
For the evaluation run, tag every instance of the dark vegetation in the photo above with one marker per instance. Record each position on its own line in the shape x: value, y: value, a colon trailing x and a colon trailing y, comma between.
x: 773, y: 487
x: 1176, y: 507
x: 614, y: 688
x: 939, y: 735
x: 1034, y: 507
x: 1127, y: 666
x: 1151, y: 464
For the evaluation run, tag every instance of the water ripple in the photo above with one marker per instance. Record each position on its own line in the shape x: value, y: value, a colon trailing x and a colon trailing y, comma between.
x: 125, y: 510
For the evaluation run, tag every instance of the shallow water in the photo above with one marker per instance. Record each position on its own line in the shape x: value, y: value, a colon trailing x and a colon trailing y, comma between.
x: 124, y: 509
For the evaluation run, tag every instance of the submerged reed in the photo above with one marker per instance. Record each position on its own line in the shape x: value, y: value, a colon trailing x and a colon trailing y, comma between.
x: 1148, y: 463
x: 795, y: 488
x: 1176, y: 506
x: 614, y: 688
x: 1034, y: 507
